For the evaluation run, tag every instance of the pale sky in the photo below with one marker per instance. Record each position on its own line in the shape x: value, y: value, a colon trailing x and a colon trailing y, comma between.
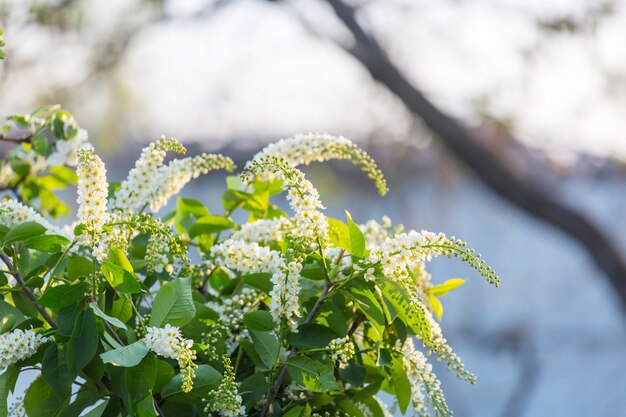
x: 253, y: 70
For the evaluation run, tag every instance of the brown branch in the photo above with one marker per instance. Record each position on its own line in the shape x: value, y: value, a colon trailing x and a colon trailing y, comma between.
x: 23, y: 139
x: 29, y: 294
x: 507, y: 183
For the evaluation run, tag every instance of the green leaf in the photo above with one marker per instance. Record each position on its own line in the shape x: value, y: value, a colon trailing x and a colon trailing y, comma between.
x: 7, y: 383
x: 145, y: 407
x: 118, y: 257
x: 7, y: 309
x: 63, y: 295
x: 78, y: 266
x: 261, y: 281
x: 40, y: 401
x: 164, y: 373
x: 83, y: 343
x: 266, y: 345
x: 115, y: 322
x: 367, y: 303
x: 119, y: 272
x: 311, y: 374
x: 312, y: 336
x: 411, y: 314
x: 353, y: 372
x: 24, y: 231
x: 120, y: 279
x: 210, y: 224
x: 339, y: 234
x: 41, y: 144
x: 126, y: 356
x: 173, y: 304
x: 442, y: 289
x: 259, y: 320
x: 357, y: 240
x: 374, y: 407
x: 47, y: 243
x: 436, y: 305
x: 122, y: 308
x: 188, y: 209
x: 350, y: 408
x: 401, y: 384
x: 140, y: 378
x: 82, y: 400
x: 66, y: 319
x: 55, y: 373
x: 206, y: 379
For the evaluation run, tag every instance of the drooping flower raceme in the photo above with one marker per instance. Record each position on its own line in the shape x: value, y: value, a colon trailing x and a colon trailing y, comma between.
x: 408, y: 250
x: 171, y: 178
x: 17, y: 345
x: 139, y: 185
x: 225, y: 400
x: 310, y: 224
x: 92, y: 191
x: 169, y: 343
x: 424, y: 383
x: 156, y: 254
x: 250, y: 258
x: 307, y: 148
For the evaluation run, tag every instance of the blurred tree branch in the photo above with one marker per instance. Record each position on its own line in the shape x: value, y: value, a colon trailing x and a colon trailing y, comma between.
x: 507, y: 183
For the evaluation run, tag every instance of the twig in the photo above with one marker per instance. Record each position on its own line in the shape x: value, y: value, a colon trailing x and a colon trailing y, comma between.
x: 29, y: 294
x: 496, y: 174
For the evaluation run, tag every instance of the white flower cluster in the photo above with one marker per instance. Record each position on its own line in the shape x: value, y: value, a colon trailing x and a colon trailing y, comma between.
x: 138, y: 187
x: 12, y: 213
x: 17, y: 345
x: 310, y: 223
x: 440, y: 346
x: 171, y: 178
x: 409, y: 250
x: 424, y: 383
x: 92, y: 190
x: 232, y: 310
x: 225, y: 400
x: 116, y: 236
x: 295, y: 391
x: 169, y: 343
x: 307, y: 148
x: 263, y: 230
x: 376, y: 233
x: 156, y: 254
x: 341, y: 349
x: 250, y: 258
x: 406, y: 250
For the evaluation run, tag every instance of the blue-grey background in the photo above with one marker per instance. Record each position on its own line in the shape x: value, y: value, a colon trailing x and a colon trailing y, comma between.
x: 235, y: 75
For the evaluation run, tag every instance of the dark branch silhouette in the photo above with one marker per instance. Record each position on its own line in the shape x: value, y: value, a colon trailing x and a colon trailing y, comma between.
x: 483, y: 162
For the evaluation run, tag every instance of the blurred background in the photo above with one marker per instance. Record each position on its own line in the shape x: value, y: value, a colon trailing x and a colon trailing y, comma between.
x: 537, y: 87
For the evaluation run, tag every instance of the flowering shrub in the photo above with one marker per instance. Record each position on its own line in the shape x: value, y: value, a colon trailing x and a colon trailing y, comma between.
x: 126, y: 312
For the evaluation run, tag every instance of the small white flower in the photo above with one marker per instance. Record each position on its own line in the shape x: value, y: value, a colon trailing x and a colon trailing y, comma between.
x: 17, y: 345
x: 169, y: 343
